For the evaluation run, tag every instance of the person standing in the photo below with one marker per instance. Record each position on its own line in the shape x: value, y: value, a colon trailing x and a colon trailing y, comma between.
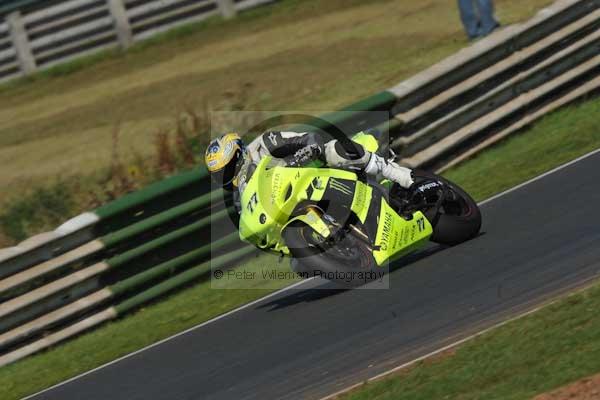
x: 478, y: 17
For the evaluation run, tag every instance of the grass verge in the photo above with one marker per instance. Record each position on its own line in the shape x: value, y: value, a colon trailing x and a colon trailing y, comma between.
x: 556, y: 345
x: 293, y: 55
x: 560, y: 137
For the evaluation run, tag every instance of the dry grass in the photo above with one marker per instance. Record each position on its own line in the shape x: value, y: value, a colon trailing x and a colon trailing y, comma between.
x: 43, y: 207
x: 311, y: 55
x: 584, y: 389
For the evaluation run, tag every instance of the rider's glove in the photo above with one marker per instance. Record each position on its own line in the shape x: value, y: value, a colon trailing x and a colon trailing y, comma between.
x: 389, y: 170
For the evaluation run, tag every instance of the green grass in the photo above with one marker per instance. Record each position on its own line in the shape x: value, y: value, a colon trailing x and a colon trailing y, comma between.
x: 294, y: 55
x: 535, y: 354
x: 560, y: 137
x: 50, y: 122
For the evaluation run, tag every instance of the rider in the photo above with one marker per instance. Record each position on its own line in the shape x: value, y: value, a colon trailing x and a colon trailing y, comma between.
x: 229, y: 161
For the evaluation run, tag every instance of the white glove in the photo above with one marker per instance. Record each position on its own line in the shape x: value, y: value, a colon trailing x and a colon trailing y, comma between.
x: 389, y: 170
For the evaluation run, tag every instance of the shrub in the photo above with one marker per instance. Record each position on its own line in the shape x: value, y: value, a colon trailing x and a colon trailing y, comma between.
x: 44, y: 207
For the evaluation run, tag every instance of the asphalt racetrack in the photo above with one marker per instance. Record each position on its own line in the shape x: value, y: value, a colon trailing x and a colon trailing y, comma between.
x: 538, y: 241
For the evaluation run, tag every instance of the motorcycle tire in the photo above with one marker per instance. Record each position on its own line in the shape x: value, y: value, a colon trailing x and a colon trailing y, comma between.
x: 460, y: 219
x: 349, y: 262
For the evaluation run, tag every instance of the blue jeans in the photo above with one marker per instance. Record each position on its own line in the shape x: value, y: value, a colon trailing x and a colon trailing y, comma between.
x: 478, y: 17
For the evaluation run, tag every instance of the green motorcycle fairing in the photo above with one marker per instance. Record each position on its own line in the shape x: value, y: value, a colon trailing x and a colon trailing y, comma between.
x: 273, y: 192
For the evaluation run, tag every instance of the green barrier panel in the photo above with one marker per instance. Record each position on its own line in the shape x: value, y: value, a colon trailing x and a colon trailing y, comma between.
x: 382, y: 101
x: 163, y: 240
x: 82, y: 254
x: 151, y: 192
x: 152, y: 200
x: 389, y: 127
x: 181, y: 279
x: 354, y: 117
x: 170, y: 267
x: 157, y: 220
x: 388, y: 130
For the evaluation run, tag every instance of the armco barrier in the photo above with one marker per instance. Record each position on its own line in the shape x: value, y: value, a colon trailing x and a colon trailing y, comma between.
x: 133, y: 250
x: 38, y: 34
x: 62, y: 291
x: 124, y: 212
x: 116, y: 290
x: 485, y: 53
x: 495, y: 83
x: 125, y: 235
x: 154, y: 292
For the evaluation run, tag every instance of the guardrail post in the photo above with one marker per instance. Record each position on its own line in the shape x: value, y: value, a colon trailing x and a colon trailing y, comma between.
x: 122, y: 26
x: 20, y: 40
x: 227, y: 8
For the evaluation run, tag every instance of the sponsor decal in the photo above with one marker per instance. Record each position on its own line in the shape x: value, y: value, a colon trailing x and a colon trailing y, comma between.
x: 275, y: 187
x: 273, y: 138
x: 340, y: 187
x: 360, y: 196
x: 385, y: 234
x: 317, y: 183
x: 252, y: 203
x: 428, y: 186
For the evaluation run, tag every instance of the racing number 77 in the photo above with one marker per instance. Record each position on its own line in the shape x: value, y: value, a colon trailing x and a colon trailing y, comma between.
x: 421, y: 224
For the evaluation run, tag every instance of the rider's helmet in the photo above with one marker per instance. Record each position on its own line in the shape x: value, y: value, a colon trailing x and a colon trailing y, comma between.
x: 223, y: 157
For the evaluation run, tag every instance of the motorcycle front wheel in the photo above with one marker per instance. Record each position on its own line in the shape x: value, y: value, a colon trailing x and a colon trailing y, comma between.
x: 348, y: 262
x: 459, y: 217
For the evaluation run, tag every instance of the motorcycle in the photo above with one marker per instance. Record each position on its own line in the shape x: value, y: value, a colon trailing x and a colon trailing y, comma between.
x: 342, y: 223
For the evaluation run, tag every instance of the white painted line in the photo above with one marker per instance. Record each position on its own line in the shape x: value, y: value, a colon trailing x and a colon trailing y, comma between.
x: 296, y: 285
x: 426, y: 356
x: 537, y: 178
x: 586, y: 284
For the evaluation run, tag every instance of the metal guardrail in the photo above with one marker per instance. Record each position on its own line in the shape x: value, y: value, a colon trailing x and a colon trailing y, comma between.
x: 37, y: 35
x: 109, y: 261
x: 496, y: 83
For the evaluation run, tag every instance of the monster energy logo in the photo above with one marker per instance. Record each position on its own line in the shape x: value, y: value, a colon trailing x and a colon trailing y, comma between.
x: 340, y: 187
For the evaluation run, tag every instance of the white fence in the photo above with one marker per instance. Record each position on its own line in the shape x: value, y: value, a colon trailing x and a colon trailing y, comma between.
x: 52, y: 35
